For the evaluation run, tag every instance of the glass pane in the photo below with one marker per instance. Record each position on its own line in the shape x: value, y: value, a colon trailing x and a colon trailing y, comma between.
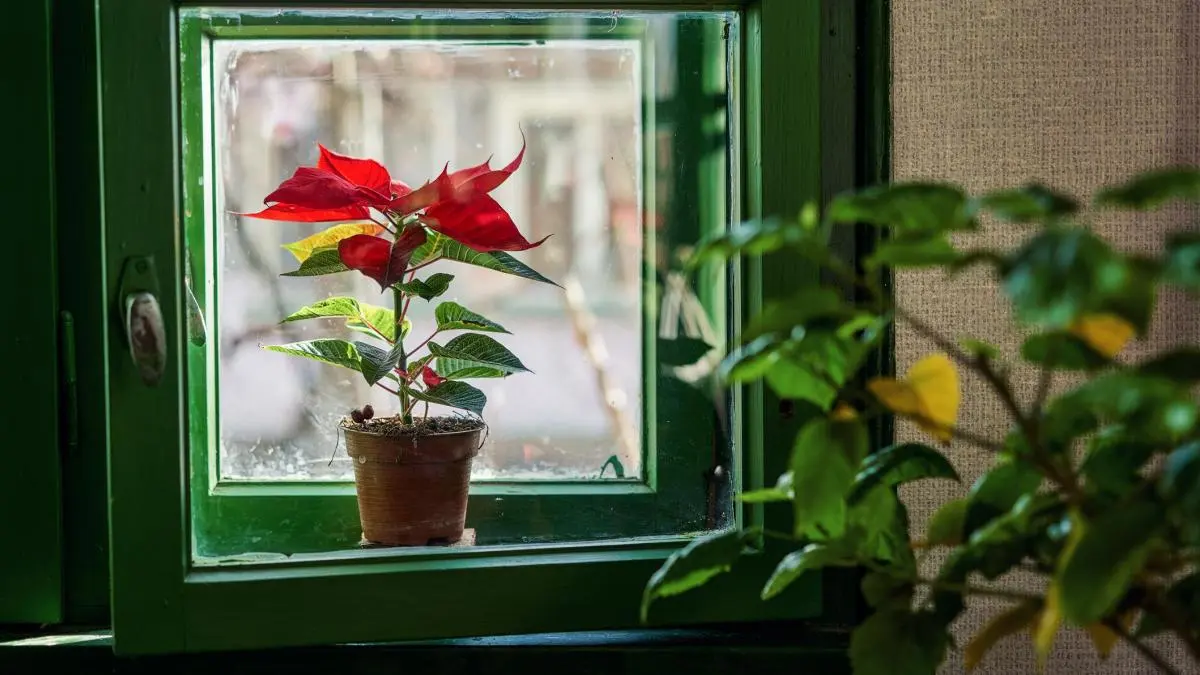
x: 624, y: 123
x: 415, y: 105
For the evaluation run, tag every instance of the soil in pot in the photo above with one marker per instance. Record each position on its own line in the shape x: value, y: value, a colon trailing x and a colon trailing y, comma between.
x: 412, y: 480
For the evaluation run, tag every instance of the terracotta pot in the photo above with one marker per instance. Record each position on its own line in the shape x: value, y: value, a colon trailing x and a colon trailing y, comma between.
x: 412, y: 491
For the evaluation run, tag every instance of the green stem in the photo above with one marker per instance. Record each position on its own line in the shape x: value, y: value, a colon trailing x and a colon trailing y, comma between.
x: 398, y: 303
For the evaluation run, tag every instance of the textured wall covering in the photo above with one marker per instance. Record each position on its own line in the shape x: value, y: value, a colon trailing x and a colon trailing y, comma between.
x: 1072, y: 93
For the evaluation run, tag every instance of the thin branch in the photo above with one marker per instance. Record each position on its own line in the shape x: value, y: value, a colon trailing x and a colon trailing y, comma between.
x: 1150, y: 655
x: 424, y: 342
x: 389, y: 390
x: 968, y: 589
x: 1177, y: 621
x: 930, y: 333
x: 413, y: 269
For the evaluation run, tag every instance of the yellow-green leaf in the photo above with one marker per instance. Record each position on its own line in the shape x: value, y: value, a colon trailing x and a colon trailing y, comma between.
x: 1011, y: 621
x: 929, y: 393
x: 1103, y: 638
x: 304, y: 248
x: 1046, y: 626
x: 1106, y: 333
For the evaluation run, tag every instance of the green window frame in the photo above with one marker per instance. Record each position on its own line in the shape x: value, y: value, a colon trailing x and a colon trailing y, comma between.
x: 289, y: 517
x: 32, y: 588
x: 797, y: 143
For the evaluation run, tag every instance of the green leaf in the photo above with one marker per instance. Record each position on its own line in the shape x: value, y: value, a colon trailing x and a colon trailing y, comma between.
x: 791, y: 379
x: 1113, y: 461
x: 1184, y: 595
x: 750, y: 361
x: 947, y: 524
x: 932, y: 251
x: 822, y: 464
x: 899, y: 464
x: 453, y: 316
x: 334, y: 352
x: 369, y: 319
x: 785, y: 316
x: 1155, y: 408
x: 377, y: 363
x: 441, y: 246
x: 757, y: 237
x: 881, y: 589
x: 908, y: 207
x: 1063, y: 351
x: 1180, y: 365
x: 780, y: 492
x: 681, y: 351
x: 896, y: 641
x: 427, y: 289
x: 1064, y: 273
x: 1029, y: 204
x: 811, y: 557
x: 321, y: 261
x: 374, y: 317
x: 878, y: 526
x: 1183, y: 260
x: 474, y: 355
x: 693, y: 565
x: 1152, y: 189
x: 1111, y: 552
x: 1179, y: 481
x: 997, y: 491
x: 454, y: 394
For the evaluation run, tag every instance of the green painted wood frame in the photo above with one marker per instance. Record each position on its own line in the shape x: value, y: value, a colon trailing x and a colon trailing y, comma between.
x: 162, y: 604
x: 285, y: 518
x: 31, y: 584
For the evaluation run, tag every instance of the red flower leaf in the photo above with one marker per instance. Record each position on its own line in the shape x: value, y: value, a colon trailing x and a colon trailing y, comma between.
x: 361, y: 172
x: 311, y: 188
x: 380, y: 259
x: 480, y: 223
x: 430, y: 377
x: 485, y: 179
x: 300, y: 214
x: 430, y: 193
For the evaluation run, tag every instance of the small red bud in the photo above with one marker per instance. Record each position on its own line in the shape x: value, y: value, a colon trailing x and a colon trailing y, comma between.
x: 368, y: 412
x: 357, y: 416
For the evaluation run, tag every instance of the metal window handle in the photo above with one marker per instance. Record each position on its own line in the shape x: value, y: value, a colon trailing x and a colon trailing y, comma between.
x: 146, y: 335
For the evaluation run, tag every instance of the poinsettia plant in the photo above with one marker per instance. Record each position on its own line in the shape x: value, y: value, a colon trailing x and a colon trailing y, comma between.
x: 389, y: 232
x: 1093, y: 492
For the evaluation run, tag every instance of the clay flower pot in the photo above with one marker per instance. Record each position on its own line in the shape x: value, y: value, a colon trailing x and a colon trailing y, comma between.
x: 412, y: 489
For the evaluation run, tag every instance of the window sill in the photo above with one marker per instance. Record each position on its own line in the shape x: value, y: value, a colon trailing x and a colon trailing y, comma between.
x: 771, y: 646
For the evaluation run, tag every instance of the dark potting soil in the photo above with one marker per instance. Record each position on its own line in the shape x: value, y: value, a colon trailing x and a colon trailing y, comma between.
x: 426, y: 426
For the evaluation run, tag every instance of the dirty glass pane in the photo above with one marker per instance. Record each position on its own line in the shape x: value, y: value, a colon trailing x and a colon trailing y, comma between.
x: 625, y: 120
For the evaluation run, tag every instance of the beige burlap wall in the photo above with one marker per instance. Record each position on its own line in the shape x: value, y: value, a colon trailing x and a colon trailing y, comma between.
x: 1072, y: 93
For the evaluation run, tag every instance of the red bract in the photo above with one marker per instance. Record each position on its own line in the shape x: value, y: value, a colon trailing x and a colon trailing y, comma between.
x: 430, y: 377
x: 382, y: 260
x: 456, y: 204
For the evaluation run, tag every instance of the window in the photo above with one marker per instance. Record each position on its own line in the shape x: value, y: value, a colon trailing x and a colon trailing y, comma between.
x: 610, y: 437
x: 645, y: 129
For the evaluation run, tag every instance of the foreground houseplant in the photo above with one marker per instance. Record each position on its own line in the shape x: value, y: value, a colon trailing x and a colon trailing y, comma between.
x: 1095, y: 490
x: 411, y: 472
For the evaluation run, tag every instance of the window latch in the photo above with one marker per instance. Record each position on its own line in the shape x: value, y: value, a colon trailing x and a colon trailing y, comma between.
x: 141, y: 319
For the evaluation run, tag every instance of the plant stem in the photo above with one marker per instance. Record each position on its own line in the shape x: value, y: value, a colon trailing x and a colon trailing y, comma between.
x: 1143, y: 649
x: 967, y: 589
x: 1176, y: 621
x: 398, y: 302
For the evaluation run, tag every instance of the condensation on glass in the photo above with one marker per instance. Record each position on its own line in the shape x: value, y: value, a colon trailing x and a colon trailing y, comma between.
x: 627, y: 167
